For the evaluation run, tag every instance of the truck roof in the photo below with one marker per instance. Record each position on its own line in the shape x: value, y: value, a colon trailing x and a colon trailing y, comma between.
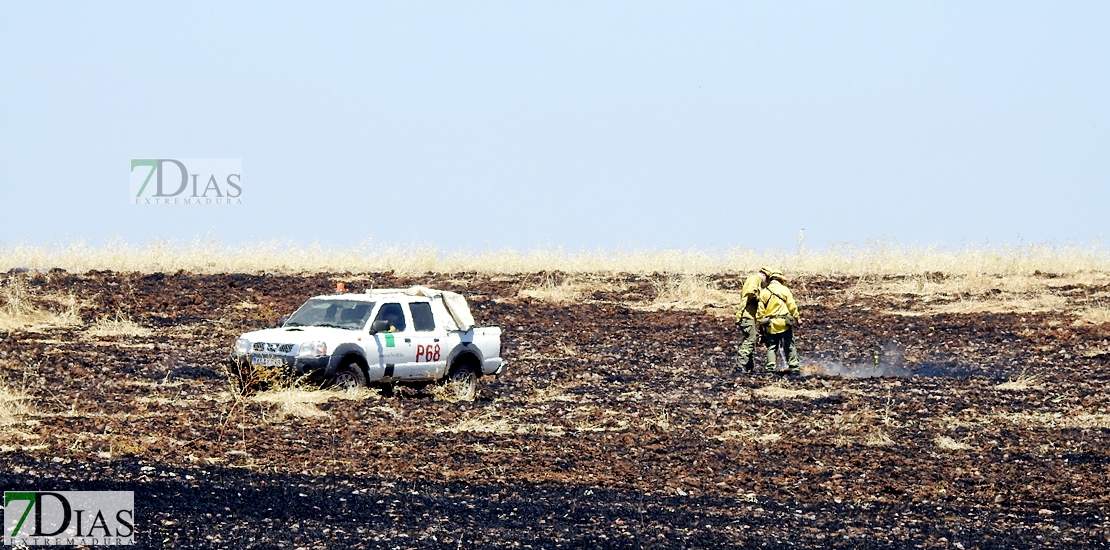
x: 371, y: 295
x: 455, y: 303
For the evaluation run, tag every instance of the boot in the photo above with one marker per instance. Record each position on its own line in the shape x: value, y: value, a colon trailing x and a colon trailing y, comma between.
x: 737, y: 366
x: 742, y: 366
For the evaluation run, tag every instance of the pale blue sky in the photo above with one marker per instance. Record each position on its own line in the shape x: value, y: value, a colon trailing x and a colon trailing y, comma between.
x: 581, y: 124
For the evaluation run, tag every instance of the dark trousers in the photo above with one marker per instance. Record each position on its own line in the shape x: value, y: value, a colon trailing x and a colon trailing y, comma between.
x: 784, y: 340
x: 748, y: 336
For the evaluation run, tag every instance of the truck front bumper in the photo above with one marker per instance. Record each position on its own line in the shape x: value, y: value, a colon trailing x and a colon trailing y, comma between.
x: 290, y: 365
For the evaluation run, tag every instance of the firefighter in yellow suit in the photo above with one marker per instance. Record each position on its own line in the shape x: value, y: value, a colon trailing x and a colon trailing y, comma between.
x: 776, y: 315
x: 745, y: 319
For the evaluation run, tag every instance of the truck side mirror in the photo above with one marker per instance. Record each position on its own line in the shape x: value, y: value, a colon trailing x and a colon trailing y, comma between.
x: 381, y: 325
x: 282, y: 320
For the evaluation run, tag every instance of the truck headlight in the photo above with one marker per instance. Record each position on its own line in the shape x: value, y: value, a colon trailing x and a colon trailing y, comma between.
x: 242, y: 346
x: 314, y: 348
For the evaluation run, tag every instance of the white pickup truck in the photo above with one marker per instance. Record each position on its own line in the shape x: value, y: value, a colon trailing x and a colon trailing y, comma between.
x: 415, y: 336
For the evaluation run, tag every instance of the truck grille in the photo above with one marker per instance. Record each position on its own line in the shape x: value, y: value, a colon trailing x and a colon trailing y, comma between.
x: 264, y: 347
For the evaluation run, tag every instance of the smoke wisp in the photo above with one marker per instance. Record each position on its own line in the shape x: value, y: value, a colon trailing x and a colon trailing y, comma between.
x: 885, y: 363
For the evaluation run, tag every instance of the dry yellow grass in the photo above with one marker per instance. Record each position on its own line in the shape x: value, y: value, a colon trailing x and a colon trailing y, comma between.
x: 13, y: 406
x: 488, y: 422
x: 449, y: 392
x: 978, y: 292
x: 495, y: 422
x: 21, y: 310
x: 979, y: 285
x: 294, y: 402
x: 768, y: 438
x: 118, y: 326
x: 567, y: 349
x: 949, y: 444
x: 563, y: 290
x: 1096, y: 350
x: 874, y: 259
x: 691, y: 291
x: 776, y: 391
x: 1094, y: 316
x: 878, y: 438
x: 1021, y: 383
x: 749, y: 435
x: 1075, y: 420
x: 303, y: 403
x: 1036, y: 303
x: 662, y: 421
x: 561, y: 294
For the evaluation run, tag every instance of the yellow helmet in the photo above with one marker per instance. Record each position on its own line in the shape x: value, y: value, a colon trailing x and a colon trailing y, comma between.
x: 776, y: 274
x: 767, y: 271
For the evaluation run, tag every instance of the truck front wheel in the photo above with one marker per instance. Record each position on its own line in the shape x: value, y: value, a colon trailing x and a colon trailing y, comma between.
x: 349, y: 377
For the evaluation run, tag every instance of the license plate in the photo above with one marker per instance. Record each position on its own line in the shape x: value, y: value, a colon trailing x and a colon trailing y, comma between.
x: 267, y: 361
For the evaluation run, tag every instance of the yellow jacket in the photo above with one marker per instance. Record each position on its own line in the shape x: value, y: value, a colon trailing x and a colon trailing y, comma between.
x: 749, y: 298
x: 775, y: 303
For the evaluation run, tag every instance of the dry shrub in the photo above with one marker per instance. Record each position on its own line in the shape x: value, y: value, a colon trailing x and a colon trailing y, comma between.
x: 691, y: 292
x: 19, y: 310
x: 247, y: 379
x: 118, y: 326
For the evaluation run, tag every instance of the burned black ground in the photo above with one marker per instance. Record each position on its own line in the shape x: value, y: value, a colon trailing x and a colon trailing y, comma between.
x: 616, y: 426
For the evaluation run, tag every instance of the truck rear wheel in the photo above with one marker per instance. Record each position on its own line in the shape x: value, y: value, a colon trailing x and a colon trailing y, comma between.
x: 462, y: 382
x: 349, y: 377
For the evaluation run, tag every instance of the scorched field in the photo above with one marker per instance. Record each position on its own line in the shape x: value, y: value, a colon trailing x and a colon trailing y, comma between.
x: 936, y: 411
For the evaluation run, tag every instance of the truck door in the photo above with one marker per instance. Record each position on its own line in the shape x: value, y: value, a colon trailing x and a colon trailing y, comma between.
x: 431, y: 353
x: 396, y: 350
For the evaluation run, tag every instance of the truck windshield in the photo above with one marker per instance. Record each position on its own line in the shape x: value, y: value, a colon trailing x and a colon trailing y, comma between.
x: 348, y: 314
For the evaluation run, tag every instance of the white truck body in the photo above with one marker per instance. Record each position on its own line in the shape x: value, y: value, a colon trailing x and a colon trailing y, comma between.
x: 427, y: 335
